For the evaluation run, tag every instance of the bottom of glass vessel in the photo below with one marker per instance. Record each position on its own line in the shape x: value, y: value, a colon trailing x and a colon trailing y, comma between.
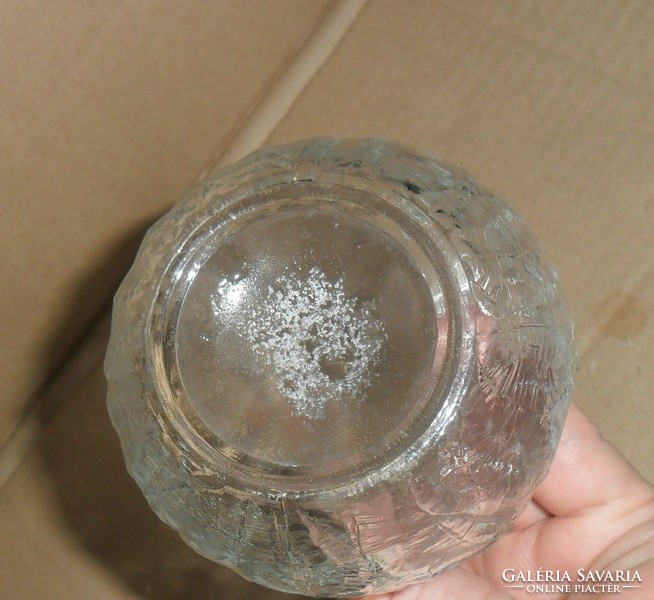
x: 339, y: 368
x: 309, y: 340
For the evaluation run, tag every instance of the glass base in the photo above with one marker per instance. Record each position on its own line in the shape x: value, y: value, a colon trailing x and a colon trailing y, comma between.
x: 310, y: 334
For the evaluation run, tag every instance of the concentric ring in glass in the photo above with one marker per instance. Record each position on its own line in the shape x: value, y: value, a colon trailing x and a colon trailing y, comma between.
x: 309, y: 334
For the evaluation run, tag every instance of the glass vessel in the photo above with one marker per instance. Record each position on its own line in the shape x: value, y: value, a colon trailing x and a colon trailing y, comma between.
x: 339, y: 367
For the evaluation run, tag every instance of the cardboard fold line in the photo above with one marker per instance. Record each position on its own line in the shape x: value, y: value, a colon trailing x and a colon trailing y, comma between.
x: 277, y: 100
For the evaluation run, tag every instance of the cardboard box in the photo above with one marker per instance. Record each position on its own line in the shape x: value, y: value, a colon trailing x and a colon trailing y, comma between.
x: 108, y: 111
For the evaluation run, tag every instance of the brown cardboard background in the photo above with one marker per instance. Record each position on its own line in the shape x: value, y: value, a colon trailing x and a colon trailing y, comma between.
x: 105, y: 110
x: 109, y: 111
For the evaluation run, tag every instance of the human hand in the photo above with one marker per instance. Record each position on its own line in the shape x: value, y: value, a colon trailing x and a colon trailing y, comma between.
x: 593, y: 512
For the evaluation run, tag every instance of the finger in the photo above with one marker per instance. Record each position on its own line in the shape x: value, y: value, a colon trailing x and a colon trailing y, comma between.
x: 587, y: 472
x: 453, y: 584
x: 532, y: 514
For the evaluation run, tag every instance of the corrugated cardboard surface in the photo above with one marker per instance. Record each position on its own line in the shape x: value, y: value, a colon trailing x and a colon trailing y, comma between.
x: 109, y: 110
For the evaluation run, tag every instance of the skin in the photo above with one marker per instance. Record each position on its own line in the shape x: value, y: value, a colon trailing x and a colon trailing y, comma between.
x: 593, y: 511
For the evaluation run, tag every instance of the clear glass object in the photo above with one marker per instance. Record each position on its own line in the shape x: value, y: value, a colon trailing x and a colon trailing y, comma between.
x: 339, y: 367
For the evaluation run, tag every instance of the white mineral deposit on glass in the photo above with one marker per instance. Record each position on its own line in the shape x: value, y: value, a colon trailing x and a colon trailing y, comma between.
x: 318, y: 341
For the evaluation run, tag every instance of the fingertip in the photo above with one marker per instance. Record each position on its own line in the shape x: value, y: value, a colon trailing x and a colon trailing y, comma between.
x: 587, y: 471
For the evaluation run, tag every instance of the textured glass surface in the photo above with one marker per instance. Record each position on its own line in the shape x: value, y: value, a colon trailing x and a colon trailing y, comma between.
x: 339, y: 367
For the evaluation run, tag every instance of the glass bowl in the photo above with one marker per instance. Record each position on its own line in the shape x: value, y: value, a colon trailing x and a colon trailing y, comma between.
x: 339, y: 367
